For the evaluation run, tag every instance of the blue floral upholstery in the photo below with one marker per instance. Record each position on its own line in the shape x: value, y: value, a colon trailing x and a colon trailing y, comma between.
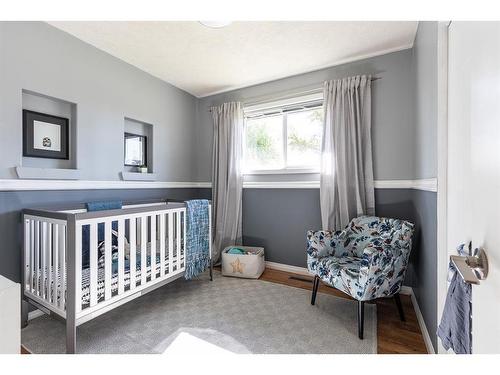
x: 367, y: 260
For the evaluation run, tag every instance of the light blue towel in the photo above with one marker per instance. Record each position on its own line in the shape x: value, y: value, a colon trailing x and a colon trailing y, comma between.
x: 101, y: 206
x: 455, y: 327
x: 236, y: 250
x: 198, y: 238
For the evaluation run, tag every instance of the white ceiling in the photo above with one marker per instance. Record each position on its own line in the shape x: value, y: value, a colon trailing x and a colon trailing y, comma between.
x: 204, y: 61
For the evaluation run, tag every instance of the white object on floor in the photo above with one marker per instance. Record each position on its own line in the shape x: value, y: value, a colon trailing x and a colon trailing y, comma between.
x: 249, y: 266
x: 186, y: 343
x: 10, y: 317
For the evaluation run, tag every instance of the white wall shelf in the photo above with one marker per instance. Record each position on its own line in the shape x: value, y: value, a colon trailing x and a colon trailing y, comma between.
x: 33, y: 173
x: 137, y: 176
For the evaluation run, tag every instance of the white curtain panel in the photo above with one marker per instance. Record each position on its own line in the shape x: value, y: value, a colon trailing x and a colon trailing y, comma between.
x: 227, y: 179
x: 346, y: 182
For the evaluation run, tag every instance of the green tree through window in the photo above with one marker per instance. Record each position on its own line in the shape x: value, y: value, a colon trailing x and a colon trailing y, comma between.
x: 265, y: 143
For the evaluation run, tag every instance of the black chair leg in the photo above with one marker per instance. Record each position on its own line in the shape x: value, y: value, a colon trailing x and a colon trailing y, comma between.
x: 400, y: 307
x: 211, y: 270
x: 361, y: 319
x: 315, y: 289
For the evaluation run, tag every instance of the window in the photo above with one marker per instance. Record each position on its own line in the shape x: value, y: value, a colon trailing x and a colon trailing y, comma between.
x: 287, y: 140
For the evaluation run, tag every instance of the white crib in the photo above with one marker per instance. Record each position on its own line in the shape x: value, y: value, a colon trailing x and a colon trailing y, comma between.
x: 150, y: 236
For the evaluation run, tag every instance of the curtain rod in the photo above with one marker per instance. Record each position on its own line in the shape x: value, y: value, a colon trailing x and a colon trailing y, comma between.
x: 311, y: 91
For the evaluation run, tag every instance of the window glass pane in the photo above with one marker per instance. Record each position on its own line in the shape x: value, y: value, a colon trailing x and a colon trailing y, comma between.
x: 304, y: 131
x: 264, y: 143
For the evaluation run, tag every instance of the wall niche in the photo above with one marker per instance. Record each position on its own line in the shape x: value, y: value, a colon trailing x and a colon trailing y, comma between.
x: 135, y: 130
x: 45, y: 104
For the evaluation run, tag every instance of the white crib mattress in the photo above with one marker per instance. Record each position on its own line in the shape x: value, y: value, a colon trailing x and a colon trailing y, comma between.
x: 114, y: 278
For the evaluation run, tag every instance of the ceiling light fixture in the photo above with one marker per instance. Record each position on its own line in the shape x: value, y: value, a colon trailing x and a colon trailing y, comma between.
x: 215, y: 24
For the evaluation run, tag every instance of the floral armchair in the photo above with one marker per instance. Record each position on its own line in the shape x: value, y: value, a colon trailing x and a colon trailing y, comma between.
x: 366, y: 260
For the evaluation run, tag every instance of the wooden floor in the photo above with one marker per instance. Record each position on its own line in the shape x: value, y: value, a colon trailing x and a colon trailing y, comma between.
x: 393, y: 335
x: 24, y: 350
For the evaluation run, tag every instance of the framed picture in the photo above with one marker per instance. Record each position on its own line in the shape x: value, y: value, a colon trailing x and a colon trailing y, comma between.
x: 45, y: 136
x: 135, y: 150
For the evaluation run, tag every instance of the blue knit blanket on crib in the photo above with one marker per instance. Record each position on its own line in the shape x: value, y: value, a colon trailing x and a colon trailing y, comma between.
x: 198, y: 237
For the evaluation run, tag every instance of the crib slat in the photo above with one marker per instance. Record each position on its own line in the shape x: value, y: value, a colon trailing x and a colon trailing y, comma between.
x: 170, y: 242
x: 43, y: 260
x: 37, y: 257
x: 143, y: 249
x: 78, y: 266
x: 49, y: 262
x: 27, y: 243
x: 132, y: 259
x: 93, y: 264
x: 152, y: 231
x: 178, y: 239
x: 32, y: 255
x: 183, y: 239
x: 62, y: 262
x: 107, y: 260
x: 162, y: 245
x: 121, y: 256
x: 55, y: 267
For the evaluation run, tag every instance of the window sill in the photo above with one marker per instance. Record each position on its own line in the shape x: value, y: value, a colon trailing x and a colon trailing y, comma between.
x: 282, y: 171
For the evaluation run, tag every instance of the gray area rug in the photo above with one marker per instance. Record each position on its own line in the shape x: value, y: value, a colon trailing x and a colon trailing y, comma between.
x: 226, y: 315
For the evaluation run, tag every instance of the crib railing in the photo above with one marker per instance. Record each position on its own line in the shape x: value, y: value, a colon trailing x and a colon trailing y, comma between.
x: 45, y: 261
x: 129, y: 250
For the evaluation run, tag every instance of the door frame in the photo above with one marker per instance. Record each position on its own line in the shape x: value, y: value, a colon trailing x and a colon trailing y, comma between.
x: 442, y: 169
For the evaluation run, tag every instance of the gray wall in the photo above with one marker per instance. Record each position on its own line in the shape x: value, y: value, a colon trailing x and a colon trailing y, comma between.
x: 12, y: 202
x: 424, y: 69
x: 278, y: 219
x: 425, y: 285
x: 38, y: 57
x: 393, y: 132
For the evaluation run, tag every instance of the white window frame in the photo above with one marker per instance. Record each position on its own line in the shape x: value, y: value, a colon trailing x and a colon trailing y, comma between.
x: 281, y: 106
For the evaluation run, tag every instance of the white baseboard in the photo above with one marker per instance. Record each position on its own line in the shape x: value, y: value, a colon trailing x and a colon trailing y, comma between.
x: 406, y: 290
x: 421, y: 322
x: 287, y: 268
x: 35, y: 314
